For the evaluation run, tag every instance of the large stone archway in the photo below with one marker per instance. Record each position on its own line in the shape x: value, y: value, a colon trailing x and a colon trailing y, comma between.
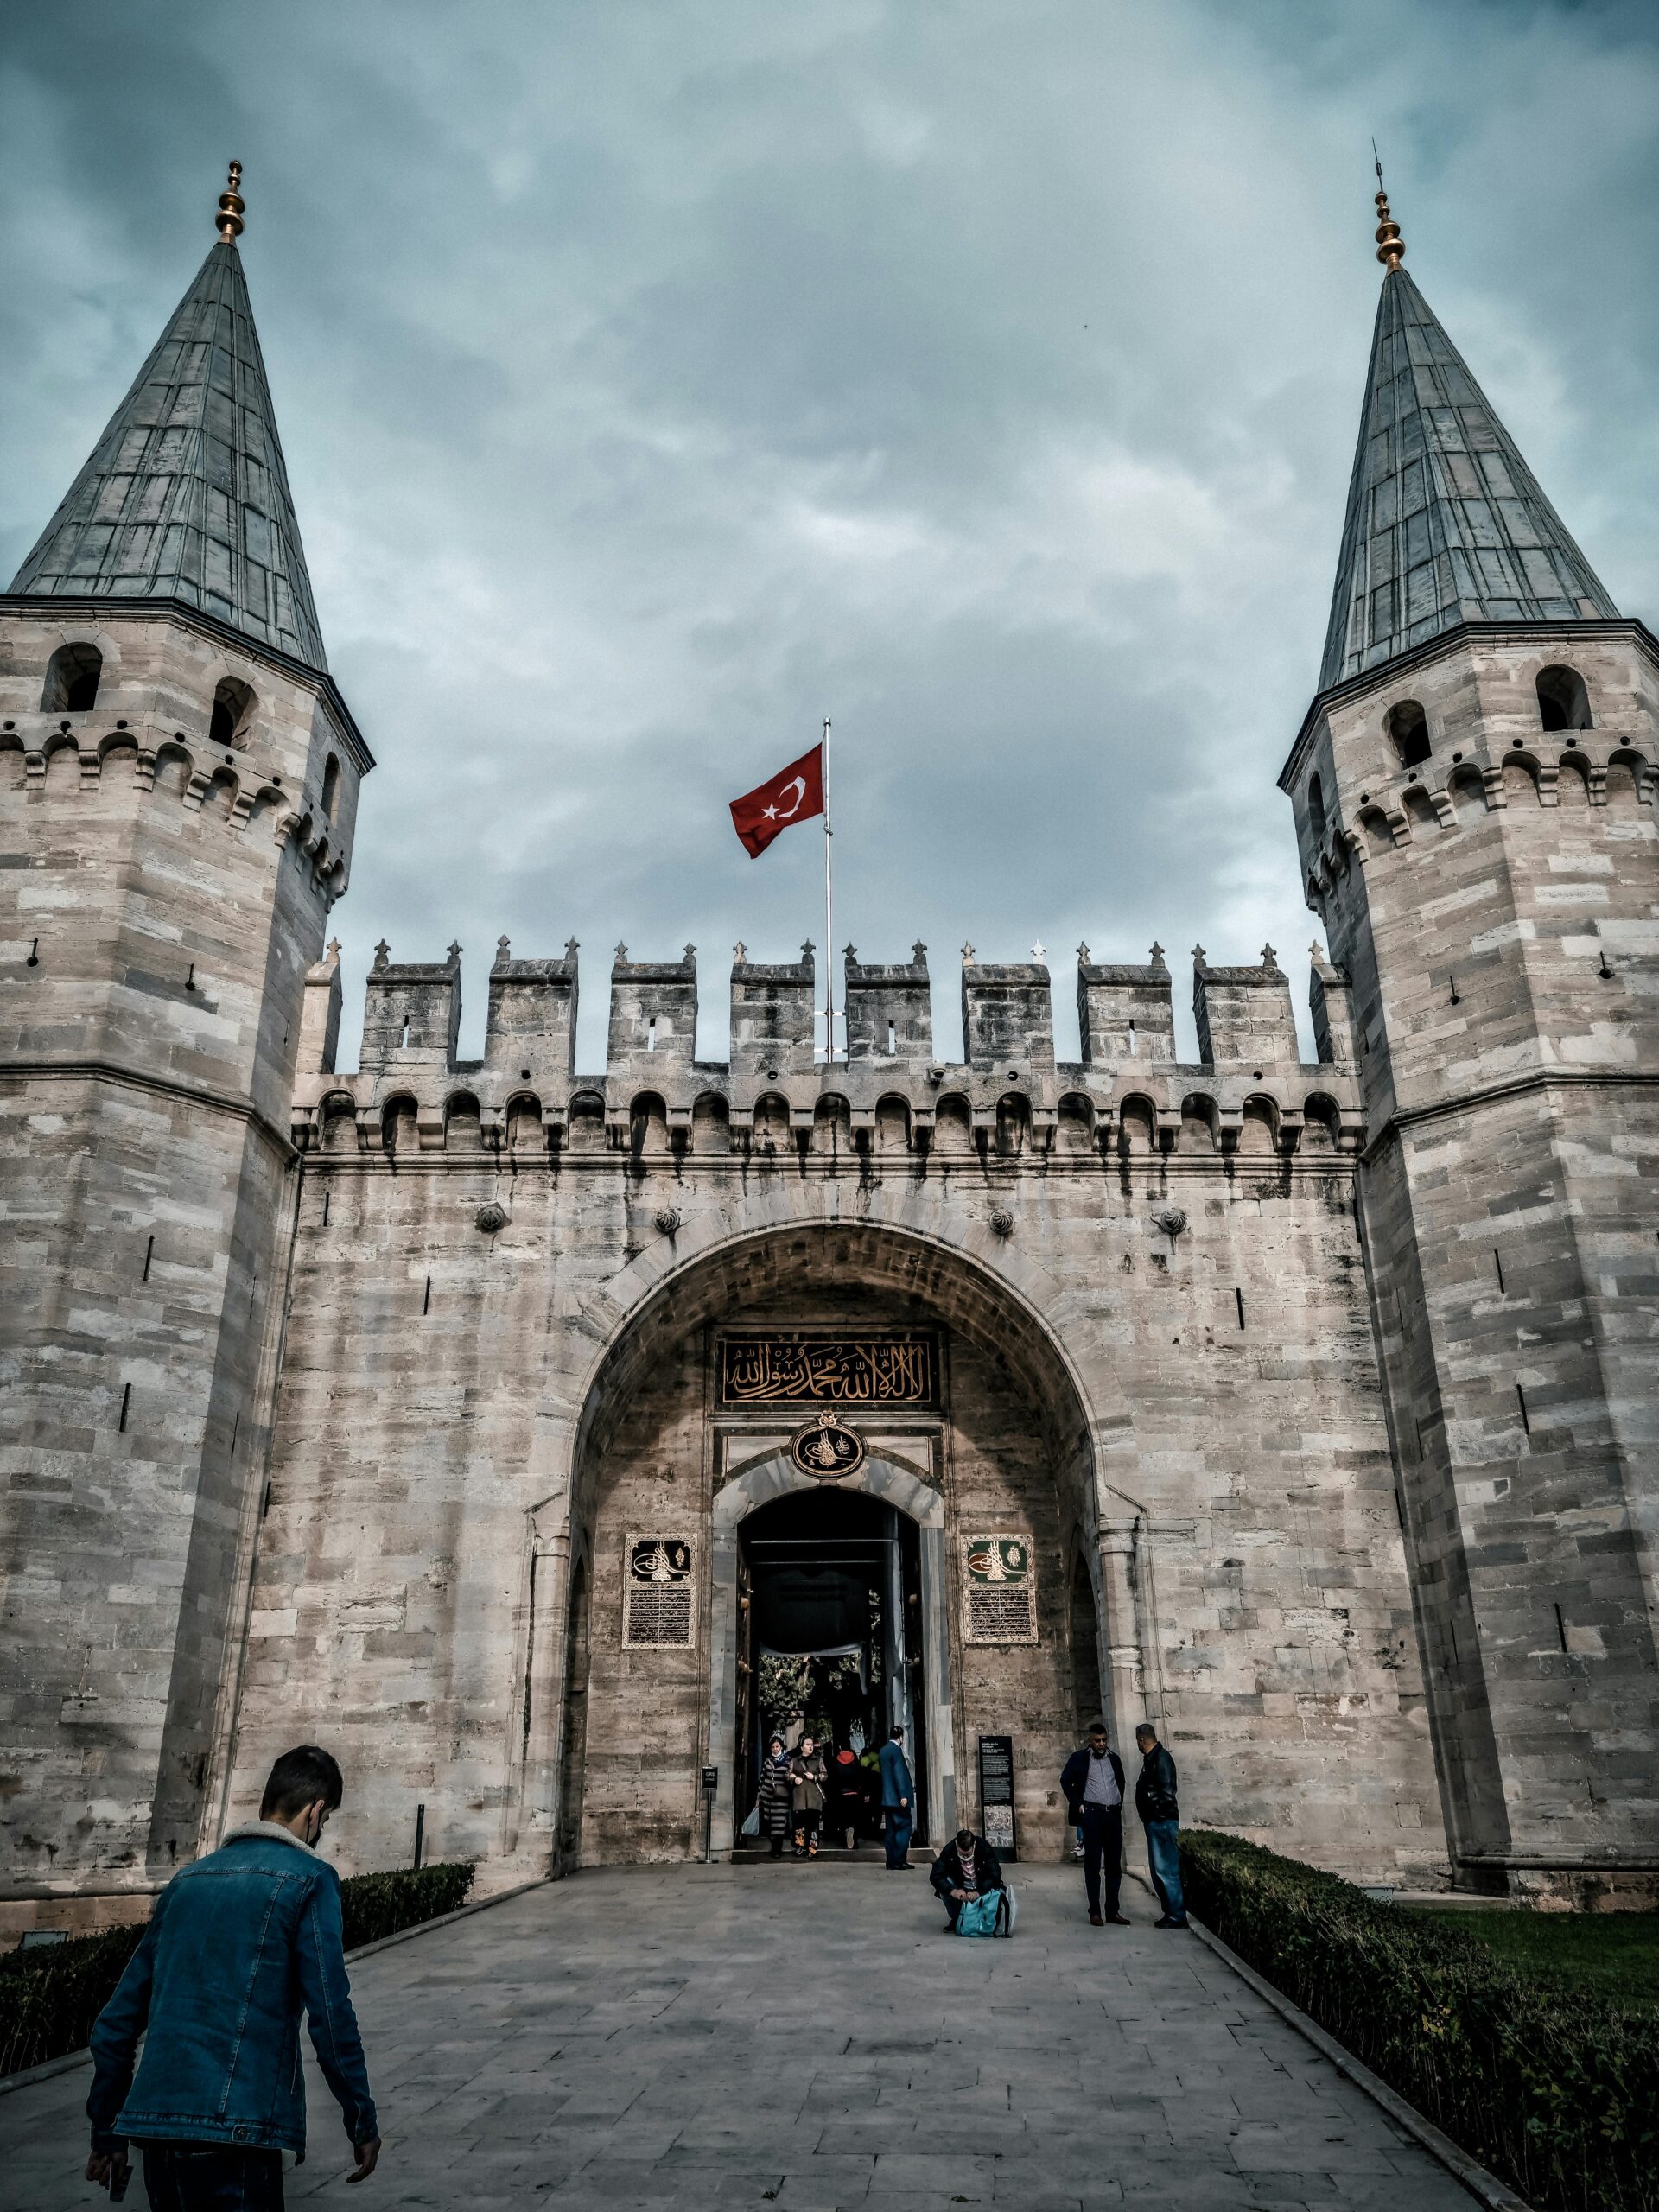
x: 1018, y: 1442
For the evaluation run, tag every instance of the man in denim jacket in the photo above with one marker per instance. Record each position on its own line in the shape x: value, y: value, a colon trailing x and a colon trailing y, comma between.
x: 238, y: 1945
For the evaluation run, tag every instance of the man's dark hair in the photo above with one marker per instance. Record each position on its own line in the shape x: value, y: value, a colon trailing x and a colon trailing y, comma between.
x: 895, y: 1731
x: 1146, y: 1729
x: 1097, y: 1728
x: 298, y: 1779
x: 964, y: 1836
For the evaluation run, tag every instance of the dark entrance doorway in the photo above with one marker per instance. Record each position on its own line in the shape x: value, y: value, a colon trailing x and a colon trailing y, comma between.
x: 829, y: 1638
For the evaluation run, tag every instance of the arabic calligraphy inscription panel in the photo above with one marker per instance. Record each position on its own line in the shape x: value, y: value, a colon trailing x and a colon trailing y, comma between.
x: 857, y: 1368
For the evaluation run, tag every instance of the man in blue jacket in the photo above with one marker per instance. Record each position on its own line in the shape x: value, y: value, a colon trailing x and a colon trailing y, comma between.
x: 898, y: 1800
x: 1091, y: 1784
x: 238, y: 1945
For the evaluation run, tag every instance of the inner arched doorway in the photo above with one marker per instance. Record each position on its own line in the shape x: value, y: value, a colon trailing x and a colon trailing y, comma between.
x: 975, y: 1432
x: 881, y: 1532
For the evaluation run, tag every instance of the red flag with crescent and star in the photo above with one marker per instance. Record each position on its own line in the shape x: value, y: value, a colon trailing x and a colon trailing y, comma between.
x: 794, y: 794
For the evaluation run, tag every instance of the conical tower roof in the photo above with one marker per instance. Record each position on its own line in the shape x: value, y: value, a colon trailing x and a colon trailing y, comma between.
x: 186, y: 496
x: 1446, y: 523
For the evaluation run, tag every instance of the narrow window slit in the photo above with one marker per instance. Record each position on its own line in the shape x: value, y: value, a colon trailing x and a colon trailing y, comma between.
x: 1522, y: 1397
x: 1561, y: 1628
x: 150, y: 1254
x: 426, y: 1303
x: 1238, y: 1298
x: 326, y: 1197
x: 236, y: 1430
x: 1497, y: 1263
x: 126, y: 1401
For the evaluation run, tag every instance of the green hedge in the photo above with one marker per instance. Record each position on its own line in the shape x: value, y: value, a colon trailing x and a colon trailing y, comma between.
x: 51, y: 1993
x: 1555, y: 2091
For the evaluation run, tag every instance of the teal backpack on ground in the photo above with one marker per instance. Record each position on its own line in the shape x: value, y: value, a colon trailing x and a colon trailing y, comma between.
x: 991, y: 1915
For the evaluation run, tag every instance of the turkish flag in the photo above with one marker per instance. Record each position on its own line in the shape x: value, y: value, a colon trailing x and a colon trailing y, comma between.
x: 794, y: 794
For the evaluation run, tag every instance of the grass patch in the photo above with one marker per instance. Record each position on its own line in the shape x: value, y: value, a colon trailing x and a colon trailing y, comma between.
x: 1614, y: 1955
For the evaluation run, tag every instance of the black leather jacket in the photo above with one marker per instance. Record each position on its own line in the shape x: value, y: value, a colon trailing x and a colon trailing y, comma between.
x: 946, y: 1873
x: 1154, y: 1787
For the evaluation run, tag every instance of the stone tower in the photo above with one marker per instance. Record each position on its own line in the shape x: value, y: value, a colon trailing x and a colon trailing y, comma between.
x: 177, y: 781
x: 1474, y: 787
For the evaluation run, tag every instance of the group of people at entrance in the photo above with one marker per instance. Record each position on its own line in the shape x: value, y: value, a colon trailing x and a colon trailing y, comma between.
x: 807, y: 1792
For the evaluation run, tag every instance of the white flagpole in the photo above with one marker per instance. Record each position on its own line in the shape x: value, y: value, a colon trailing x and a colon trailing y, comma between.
x: 828, y: 917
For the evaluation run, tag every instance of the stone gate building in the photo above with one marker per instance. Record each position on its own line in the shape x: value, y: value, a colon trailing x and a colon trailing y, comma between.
x: 516, y: 1430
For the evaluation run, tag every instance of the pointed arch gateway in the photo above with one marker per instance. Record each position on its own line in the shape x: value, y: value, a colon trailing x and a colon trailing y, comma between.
x: 1004, y: 1440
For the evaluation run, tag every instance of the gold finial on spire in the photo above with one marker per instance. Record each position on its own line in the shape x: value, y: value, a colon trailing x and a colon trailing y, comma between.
x: 231, y: 207
x: 1391, y: 246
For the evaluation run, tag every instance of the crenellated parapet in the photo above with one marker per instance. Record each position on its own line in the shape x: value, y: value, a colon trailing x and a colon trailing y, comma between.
x: 1007, y: 1098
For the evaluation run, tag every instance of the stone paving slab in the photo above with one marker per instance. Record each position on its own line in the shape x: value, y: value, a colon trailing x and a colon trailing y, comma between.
x: 668, y: 2039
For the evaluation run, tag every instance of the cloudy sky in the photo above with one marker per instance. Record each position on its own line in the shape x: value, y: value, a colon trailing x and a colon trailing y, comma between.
x: 656, y: 379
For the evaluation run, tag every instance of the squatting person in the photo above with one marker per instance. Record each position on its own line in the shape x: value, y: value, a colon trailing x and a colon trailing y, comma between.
x: 1091, y: 1784
x: 239, y: 1944
x: 965, y: 1870
x: 1160, y: 1813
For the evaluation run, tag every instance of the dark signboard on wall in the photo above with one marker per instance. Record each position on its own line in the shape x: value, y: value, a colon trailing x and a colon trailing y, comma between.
x: 996, y: 1793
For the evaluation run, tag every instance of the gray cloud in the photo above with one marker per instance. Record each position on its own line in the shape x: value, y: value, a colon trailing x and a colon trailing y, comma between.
x: 655, y: 380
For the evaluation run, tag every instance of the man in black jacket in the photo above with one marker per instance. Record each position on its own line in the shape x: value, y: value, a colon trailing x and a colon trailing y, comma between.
x: 966, y: 1868
x: 1155, y: 1801
x: 1091, y: 1784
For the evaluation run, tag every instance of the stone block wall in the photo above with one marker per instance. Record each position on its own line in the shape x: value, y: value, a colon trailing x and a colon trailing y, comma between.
x: 1496, y: 904
x: 161, y: 901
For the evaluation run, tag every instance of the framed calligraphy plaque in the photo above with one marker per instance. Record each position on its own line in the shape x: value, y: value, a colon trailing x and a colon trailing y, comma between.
x: 999, y: 1590
x: 894, y: 1370
x: 658, y: 1592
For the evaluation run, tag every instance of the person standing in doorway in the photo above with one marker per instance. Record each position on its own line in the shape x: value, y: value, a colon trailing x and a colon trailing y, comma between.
x: 1092, y: 1784
x: 898, y: 1800
x: 807, y: 1776
x: 847, y: 1789
x: 1160, y: 1815
x: 239, y: 1945
x: 775, y: 1796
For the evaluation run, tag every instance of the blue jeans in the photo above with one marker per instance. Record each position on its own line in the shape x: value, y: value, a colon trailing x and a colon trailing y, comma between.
x: 896, y: 1820
x: 211, y: 2178
x: 1163, y: 1856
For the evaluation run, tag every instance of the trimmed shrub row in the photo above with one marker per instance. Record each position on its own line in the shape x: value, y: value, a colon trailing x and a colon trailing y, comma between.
x: 1556, y: 2091
x: 51, y: 1993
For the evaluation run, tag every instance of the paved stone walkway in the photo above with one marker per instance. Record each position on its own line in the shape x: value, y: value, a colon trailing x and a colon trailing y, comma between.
x: 801, y: 2037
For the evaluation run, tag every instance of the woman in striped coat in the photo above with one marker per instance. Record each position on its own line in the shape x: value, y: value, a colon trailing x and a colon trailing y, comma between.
x: 774, y: 1794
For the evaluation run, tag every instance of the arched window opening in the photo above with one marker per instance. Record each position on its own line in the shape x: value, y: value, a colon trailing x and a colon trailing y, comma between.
x: 330, y: 785
x: 1409, y: 729
x: 710, y: 1124
x: 1137, y: 1125
x: 892, y: 1125
x: 1563, y: 703
x: 232, y: 701
x: 399, y: 1128
x: 1316, y: 814
x: 72, y: 675
x: 1076, y: 1123
x: 647, y: 1127
x: 832, y: 1124
x: 339, y: 1122
x: 1012, y: 1123
x: 587, y: 1122
x: 953, y: 1129
x: 462, y: 1124
x: 524, y: 1132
